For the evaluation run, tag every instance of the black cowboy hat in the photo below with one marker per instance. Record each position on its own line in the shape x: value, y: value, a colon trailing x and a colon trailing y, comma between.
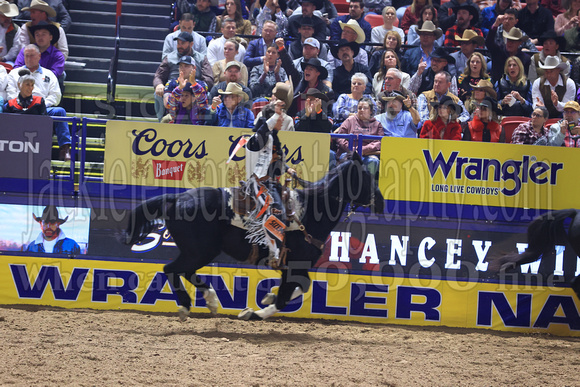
x: 312, y: 92
x: 442, y: 53
x: 316, y: 63
x: 354, y: 46
x: 491, y: 103
x: 560, y: 40
x: 43, y: 25
x: 50, y: 215
x: 449, y: 102
x: 472, y: 11
x: 317, y: 3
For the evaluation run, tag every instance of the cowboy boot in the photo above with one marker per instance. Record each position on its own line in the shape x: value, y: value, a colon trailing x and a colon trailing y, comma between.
x: 65, y: 153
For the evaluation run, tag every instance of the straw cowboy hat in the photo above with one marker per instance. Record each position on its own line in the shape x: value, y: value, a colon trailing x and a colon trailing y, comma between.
x: 284, y: 92
x: 553, y: 62
x: 41, y: 6
x: 485, y: 85
x: 428, y: 26
x: 360, y: 34
x: 393, y: 95
x: 234, y: 89
x: 42, y: 25
x: 515, y: 34
x: 8, y: 10
x: 470, y: 36
x: 50, y: 215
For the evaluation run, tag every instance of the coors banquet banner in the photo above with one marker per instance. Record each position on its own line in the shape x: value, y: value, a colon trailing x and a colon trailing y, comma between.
x: 187, y: 156
x: 481, y: 174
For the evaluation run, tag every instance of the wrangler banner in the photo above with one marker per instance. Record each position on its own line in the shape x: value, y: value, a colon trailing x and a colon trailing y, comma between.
x: 366, y: 298
x: 481, y: 174
x: 185, y: 156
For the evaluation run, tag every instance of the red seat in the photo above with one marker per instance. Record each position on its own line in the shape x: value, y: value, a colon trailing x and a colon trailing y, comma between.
x: 374, y: 20
x: 550, y: 122
x: 509, y: 124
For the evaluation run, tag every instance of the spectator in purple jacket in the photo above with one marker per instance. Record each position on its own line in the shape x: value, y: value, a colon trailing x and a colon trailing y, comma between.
x: 46, y: 35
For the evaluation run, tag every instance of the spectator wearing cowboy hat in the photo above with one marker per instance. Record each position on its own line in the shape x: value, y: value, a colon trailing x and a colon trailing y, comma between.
x: 41, y: 11
x: 353, y: 33
x: 423, y: 79
x: 467, y: 43
x: 467, y: 18
x: 355, y: 13
x: 514, y: 90
x: 400, y: 118
x: 296, y: 48
x: 308, y: 8
x: 346, y: 51
x: 566, y: 132
x: 428, y: 33
x: 52, y: 239
x: 441, y: 87
x: 482, y: 89
x: 231, y: 112
x: 500, y: 51
x: 448, y: 13
x: 442, y: 123
x: 310, y: 50
x: 46, y: 35
x: 485, y: 125
x: 552, y: 45
x: 62, y: 16
x: 281, y: 99
x: 8, y: 31
x: 508, y: 21
x: 534, y: 20
x: 313, y: 117
x: 553, y: 89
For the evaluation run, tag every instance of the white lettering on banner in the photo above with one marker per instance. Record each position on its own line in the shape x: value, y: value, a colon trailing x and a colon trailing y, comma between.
x: 577, y: 273
x: 19, y: 146
x: 559, y: 270
x: 453, y: 249
x: 527, y: 267
x: 481, y: 254
x: 423, y: 261
x: 370, y: 251
x: 400, y: 249
x: 339, y: 246
x: 168, y: 171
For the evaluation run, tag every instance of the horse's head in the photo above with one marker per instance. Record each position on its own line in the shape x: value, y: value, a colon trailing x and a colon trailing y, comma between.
x: 363, y: 189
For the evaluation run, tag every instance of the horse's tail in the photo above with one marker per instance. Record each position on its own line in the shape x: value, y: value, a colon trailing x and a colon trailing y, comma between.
x: 144, y: 218
x: 543, y: 233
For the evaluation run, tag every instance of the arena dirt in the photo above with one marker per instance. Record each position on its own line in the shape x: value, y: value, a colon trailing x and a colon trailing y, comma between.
x: 48, y: 346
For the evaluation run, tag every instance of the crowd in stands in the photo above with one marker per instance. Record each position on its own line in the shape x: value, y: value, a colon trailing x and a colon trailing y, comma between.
x: 433, y: 69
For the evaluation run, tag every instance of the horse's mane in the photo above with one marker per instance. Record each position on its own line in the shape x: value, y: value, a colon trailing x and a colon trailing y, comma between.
x: 321, y: 186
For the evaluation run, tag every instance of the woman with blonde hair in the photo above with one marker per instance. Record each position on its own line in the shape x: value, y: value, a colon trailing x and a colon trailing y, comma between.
x: 568, y: 19
x: 442, y: 123
x: 514, y: 90
x: 389, y: 17
x: 413, y: 13
x: 475, y: 71
x: 389, y: 60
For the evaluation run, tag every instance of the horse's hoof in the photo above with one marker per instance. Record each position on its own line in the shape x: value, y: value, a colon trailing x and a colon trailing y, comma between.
x: 269, y: 299
x: 183, y: 313
x: 211, y: 300
x: 246, y: 314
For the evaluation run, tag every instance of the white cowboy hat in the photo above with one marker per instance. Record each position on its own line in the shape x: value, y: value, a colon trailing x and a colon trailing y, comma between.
x: 360, y: 34
x: 8, y: 10
x: 553, y: 62
x: 428, y: 26
x: 235, y: 89
x: 41, y: 6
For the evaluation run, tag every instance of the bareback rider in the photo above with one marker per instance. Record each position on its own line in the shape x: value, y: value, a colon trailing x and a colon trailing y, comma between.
x: 266, y: 162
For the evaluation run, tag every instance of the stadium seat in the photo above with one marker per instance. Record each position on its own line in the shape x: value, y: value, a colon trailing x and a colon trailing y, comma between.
x: 341, y: 6
x: 550, y: 122
x: 377, y: 20
x: 510, y: 123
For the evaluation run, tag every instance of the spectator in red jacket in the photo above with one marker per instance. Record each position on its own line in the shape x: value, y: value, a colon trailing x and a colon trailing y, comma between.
x: 442, y: 123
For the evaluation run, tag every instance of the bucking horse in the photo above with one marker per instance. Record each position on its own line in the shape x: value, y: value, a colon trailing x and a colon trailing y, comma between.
x: 203, y: 223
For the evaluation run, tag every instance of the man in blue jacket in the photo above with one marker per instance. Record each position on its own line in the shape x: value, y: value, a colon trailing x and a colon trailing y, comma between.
x: 52, y: 239
x: 231, y: 112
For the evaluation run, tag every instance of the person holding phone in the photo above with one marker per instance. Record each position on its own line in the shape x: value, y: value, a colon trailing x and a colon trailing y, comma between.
x: 566, y: 132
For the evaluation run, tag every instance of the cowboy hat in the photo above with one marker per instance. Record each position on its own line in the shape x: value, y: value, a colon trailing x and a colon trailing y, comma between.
x: 283, y: 92
x: 353, y: 24
x: 43, y: 25
x: 316, y: 63
x: 442, y: 53
x: 491, y: 103
x: 41, y: 6
x: 449, y: 102
x: 559, y: 39
x: 487, y: 86
x: 515, y: 34
x: 472, y: 11
x: 312, y: 92
x: 317, y: 3
x: 354, y: 46
x: 428, y: 26
x: 8, y: 10
x: 392, y: 96
x: 50, y: 215
x: 470, y: 36
x: 234, y: 89
x: 553, y: 62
